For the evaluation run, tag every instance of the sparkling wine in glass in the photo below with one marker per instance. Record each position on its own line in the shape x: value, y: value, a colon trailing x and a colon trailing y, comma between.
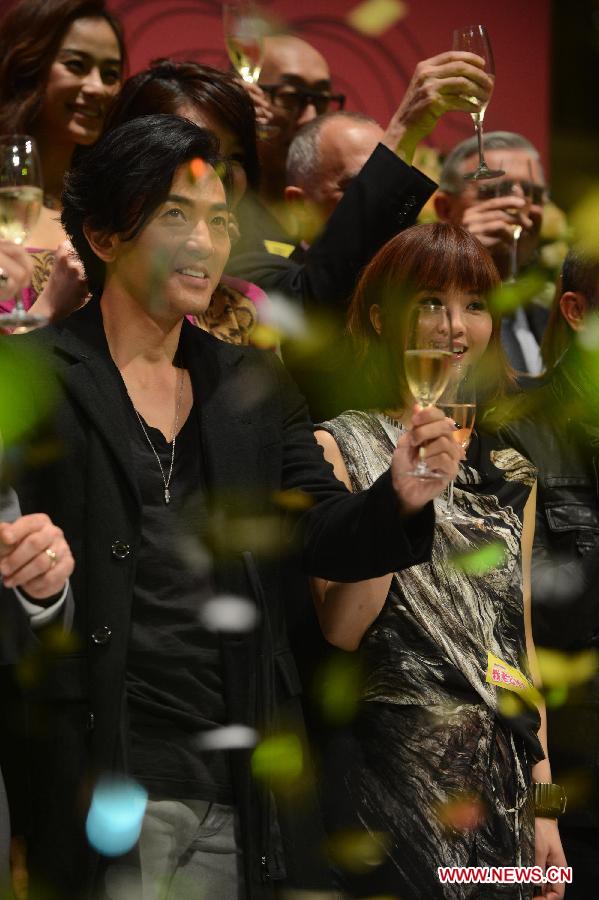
x: 474, y: 39
x: 243, y: 29
x: 458, y: 401
x: 427, y: 362
x: 21, y: 198
x: 244, y: 39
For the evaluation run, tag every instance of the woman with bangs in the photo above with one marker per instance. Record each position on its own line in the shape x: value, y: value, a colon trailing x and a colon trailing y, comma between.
x: 438, y: 766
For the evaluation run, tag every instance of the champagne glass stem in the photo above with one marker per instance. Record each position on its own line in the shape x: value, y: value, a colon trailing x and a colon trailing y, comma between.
x: 478, y: 124
x: 514, y: 259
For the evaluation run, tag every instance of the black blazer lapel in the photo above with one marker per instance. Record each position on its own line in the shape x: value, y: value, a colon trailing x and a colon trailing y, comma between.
x: 220, y: 394
x: 91, y: 379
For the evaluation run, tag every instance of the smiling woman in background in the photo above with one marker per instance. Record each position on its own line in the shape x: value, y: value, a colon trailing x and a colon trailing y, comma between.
x: 61, y: 64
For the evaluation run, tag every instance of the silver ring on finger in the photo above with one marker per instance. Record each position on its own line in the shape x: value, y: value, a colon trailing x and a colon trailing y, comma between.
x: 51, y: 554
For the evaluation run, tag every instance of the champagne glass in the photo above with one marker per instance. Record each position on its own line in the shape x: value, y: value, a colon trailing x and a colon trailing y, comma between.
x: 244, y: 39
x: 526, y: 189
x: 21, y: 199
x: 474, y: 39
x: 427, y: 361
x: 458, y: 401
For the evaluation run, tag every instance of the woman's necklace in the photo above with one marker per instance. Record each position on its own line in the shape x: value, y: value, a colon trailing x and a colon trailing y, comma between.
x: 167, y: 481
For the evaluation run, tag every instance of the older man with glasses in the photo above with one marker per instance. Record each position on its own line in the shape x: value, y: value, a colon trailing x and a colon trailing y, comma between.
x: 492, y: 211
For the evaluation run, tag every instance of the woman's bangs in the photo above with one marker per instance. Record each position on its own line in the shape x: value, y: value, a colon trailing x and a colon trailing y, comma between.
x: 453, y: 264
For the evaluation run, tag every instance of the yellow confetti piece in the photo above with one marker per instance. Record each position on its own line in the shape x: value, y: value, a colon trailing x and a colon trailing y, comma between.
x: 373, y: 17
x: 510, y: 705
x: 265, y: 337
x: 358, y: 851
x: 278, y: 758
x: 337, y: 689
x: 480, y: 561
x: 559, y: 669
x: 556, y: 696
x: 295, y: 500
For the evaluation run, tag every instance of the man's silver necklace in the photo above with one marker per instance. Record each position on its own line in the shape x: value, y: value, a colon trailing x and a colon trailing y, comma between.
x: 166, y: 481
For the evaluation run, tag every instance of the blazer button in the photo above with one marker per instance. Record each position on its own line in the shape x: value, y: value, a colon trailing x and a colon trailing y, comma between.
x: 102, y: 635
x: 120, y: 550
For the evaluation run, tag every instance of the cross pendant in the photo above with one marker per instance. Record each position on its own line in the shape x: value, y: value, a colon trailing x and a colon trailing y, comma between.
x: 167, y: 495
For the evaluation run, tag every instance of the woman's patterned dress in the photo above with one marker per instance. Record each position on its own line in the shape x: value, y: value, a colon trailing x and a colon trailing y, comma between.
x: 434, y: 749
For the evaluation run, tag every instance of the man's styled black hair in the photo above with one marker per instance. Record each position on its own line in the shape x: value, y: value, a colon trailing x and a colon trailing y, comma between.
x: 125, y: 176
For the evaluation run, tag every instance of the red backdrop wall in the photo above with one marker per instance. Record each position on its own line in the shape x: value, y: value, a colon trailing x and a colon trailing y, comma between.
x: 373, y: 71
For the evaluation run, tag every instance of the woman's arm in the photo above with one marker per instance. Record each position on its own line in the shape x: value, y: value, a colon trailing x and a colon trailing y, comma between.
x: 548, y: 846
x: 542, y: 770
x: 345, y: 611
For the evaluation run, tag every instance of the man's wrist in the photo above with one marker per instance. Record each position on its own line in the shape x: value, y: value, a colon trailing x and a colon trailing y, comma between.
x: 40, y: 615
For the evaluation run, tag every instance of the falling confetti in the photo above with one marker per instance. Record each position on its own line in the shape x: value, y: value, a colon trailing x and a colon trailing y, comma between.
x: 561, y: 669
x: 509, y: 296
x: 21, y: 408
x: 556, y: 696
x: 228, y: 737
x: 278, y: 758
x: 373, y: 17
x: 197, y: 168
x: 115, y: 816
x: 358, y: 851
x: 293, y: 500
x: 480, y: 561
x: 337, y: 689
x: 229, y: 614
x: 464, y: 812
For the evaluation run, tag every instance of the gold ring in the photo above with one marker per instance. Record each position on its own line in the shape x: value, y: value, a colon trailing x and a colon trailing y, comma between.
x: 51, y: 556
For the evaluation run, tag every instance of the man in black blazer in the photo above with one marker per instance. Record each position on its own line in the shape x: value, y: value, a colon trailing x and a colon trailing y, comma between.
x: 183, y: 459
x: 382, y: 198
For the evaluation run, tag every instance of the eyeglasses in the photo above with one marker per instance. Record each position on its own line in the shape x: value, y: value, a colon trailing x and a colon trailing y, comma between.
x: 505, y: 188
x: 295, y: 99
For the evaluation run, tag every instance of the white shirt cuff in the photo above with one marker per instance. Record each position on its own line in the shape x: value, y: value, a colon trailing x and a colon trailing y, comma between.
x: 42, y: 615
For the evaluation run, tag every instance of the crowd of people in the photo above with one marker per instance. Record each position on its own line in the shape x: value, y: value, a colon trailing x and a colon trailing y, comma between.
x: 188, y: 562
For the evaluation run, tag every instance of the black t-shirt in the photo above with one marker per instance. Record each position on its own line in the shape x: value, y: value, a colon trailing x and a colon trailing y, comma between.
x: 174, y: 682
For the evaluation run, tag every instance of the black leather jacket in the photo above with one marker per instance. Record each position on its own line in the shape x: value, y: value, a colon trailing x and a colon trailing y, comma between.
x: 558, y: 430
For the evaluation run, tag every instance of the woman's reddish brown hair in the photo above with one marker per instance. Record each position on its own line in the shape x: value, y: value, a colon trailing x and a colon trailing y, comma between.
x: 434, y: 257
x: 30, y: 35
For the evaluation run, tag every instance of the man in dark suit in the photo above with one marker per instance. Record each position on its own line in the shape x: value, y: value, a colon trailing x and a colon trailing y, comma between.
x: 177, y: 446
